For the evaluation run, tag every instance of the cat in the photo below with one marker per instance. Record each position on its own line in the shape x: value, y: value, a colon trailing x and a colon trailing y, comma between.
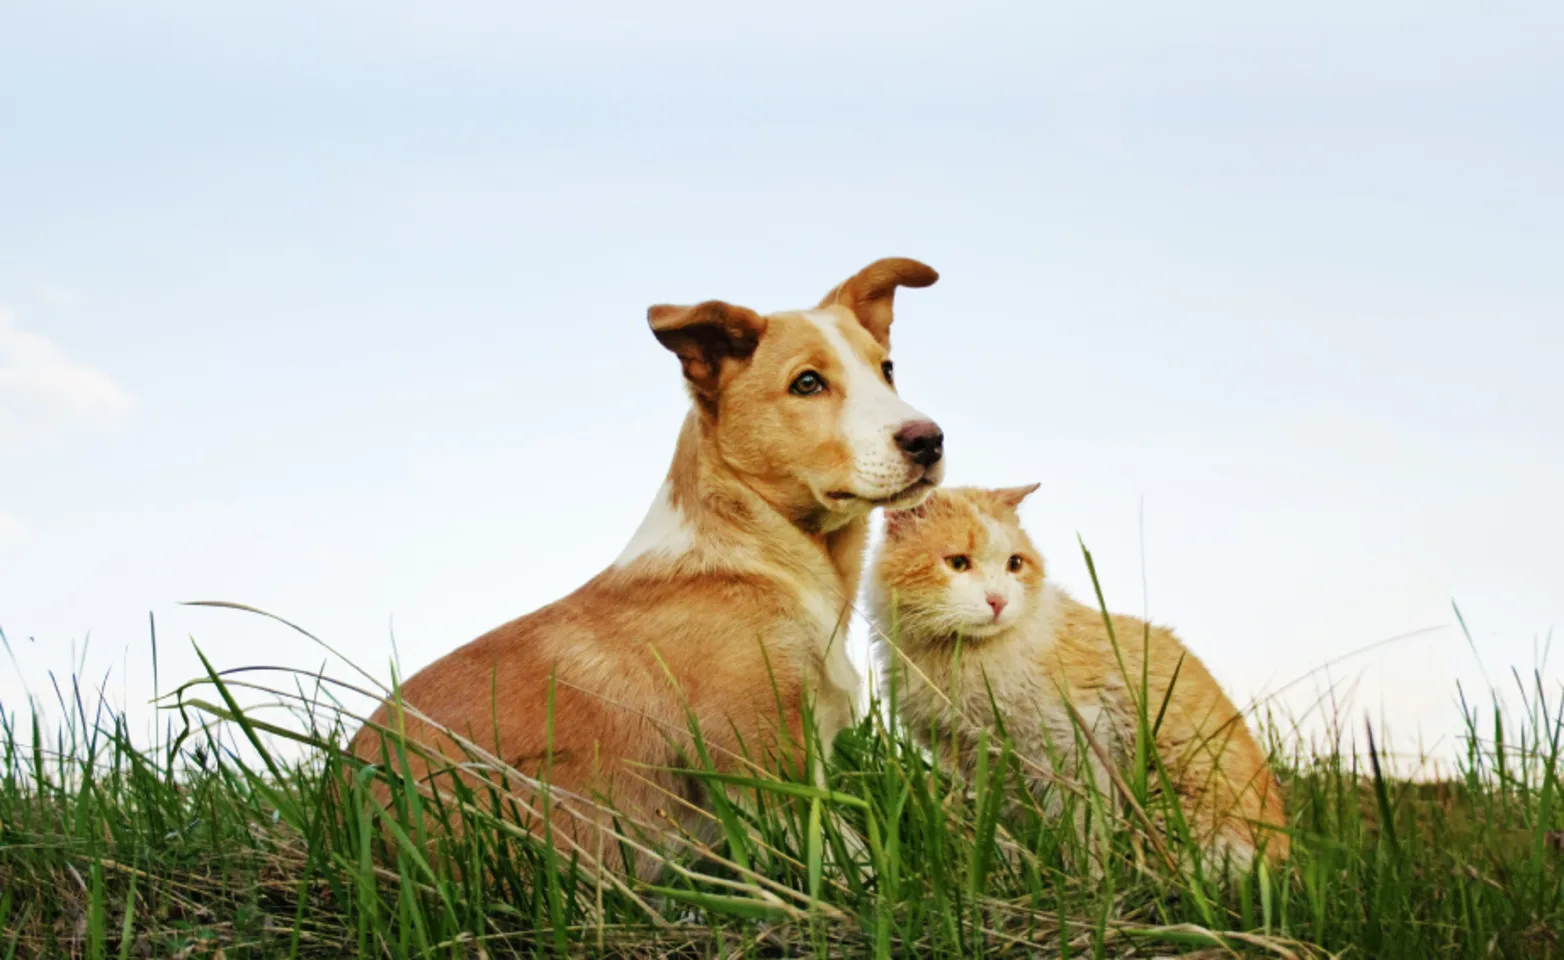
x: 961, y: 568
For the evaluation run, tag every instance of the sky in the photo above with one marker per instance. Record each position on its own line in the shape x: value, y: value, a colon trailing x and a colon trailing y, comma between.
x: 338, y: 310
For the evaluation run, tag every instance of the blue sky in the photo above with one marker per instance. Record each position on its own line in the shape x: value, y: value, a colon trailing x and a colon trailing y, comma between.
x: 337, y: 309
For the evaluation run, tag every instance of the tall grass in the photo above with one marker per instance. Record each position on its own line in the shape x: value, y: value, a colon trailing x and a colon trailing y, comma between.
x: 242, y: 831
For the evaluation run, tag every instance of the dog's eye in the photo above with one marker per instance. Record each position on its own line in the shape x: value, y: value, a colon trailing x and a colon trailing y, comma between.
x: 889, y: 369
x: 807, y: 383
x: 958, y: 563
x: 1016, y: 563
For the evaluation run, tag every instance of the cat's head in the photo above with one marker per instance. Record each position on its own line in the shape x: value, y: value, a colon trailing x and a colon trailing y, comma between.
x: 959, y: 564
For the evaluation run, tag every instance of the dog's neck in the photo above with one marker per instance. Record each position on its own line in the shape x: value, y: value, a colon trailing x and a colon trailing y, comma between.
x: 708, y: 518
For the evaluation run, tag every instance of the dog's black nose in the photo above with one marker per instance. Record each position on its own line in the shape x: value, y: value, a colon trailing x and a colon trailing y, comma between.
x: 922, y: 442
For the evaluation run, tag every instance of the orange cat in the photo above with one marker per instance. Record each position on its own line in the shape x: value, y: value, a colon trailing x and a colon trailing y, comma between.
x: 961, y: 566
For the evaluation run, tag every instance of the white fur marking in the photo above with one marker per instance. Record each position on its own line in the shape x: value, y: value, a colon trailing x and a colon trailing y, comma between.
x: 664, y: 532
x: 998, y: 540
x: 836, y: 701
x: 1047, y: 614
x: 870, y: 417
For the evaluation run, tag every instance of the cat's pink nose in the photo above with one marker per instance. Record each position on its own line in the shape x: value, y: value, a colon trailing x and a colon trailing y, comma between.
x: 997, y: 603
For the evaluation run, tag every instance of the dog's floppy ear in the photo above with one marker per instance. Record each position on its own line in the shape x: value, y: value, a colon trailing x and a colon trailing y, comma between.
x: 705, y: 337
x: 869, y: 292
x: 1010, y: 497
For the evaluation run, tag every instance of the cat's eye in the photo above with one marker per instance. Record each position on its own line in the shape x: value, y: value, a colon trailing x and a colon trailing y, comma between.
x: 958, y: 563
x: 807, y: 384
x: 1016, y: 563
x: 889, y: 370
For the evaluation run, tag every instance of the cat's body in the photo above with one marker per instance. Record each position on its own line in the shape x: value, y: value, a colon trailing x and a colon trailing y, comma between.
x: 962, y: 566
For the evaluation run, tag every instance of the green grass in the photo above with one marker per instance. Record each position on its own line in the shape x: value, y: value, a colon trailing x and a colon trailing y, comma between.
x: 228, y: 836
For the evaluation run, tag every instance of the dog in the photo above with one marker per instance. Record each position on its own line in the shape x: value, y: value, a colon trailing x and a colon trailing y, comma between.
x: 729, y: 605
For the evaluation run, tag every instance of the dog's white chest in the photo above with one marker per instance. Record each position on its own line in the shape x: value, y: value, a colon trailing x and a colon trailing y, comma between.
x: 836, y: 687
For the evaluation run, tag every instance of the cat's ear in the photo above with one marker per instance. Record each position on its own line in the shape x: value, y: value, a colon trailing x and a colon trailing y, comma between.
x: 1010, y: 498
x: 898, y: 522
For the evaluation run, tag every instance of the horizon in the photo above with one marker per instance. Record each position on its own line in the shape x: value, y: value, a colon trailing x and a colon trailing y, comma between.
x: 343, y: 318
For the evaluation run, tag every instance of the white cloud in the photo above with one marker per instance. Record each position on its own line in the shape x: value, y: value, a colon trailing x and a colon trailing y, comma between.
x: 41, y: 387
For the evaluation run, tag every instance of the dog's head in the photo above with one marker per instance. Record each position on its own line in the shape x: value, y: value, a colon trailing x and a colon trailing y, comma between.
x: 803, y: 404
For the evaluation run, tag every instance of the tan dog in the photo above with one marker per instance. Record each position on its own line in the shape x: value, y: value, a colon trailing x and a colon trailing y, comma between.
x: 731, y: 600
x: 961, y: 567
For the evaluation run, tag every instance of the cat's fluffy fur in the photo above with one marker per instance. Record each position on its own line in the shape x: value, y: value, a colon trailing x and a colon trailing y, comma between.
x: 962, y: 566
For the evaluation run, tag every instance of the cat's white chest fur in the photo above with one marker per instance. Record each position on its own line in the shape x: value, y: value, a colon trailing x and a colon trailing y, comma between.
x: 958, y: 692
